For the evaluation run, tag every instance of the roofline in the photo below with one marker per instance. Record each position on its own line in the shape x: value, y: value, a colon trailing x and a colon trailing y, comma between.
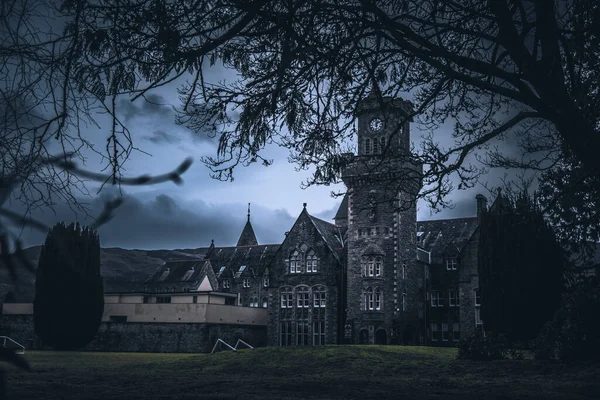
x: 447, y: 219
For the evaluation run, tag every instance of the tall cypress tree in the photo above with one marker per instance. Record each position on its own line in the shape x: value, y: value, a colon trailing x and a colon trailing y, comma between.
x: 69, y: 292
x: 521, y: 268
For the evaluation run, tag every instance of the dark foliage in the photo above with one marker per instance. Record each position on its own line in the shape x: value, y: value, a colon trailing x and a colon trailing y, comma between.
x: 521, y: 269
x: 69, y: 293
x: 572, y: 335
x: 479, y: 347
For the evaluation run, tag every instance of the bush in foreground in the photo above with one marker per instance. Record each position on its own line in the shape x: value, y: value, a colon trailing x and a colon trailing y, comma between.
x: 69, y: 294
x: 572, y: 335
x: 480, y: 347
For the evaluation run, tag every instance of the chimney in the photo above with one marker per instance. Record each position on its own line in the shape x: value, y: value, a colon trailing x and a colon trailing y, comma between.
x: 481, y: 204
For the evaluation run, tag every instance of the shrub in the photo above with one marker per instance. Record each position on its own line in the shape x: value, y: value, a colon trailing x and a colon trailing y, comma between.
x: 69, y: 295
x: 478, y: 346
x: 572, y: 333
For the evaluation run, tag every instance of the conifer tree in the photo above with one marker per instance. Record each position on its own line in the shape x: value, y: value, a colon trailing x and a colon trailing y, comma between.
x: 69, y: 292
x: 521, y: 269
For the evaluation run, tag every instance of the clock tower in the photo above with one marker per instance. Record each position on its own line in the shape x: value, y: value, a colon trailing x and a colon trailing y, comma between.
x: 384, y: 287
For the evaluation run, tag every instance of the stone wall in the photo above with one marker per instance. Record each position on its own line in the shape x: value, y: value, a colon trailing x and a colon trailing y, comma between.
x: 144, y: 337
x: 469, y: 281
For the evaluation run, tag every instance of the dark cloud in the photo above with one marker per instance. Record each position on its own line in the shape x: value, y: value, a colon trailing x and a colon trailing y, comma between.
x: 151, y: 105
x: 159, y: 136
x: 163, y: 222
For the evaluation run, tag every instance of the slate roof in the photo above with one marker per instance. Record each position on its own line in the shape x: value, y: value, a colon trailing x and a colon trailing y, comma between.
x: 342, y: 212
x: 174, y: 272
x: 435, y: 236
x: 334, y: 236
x: 247, y: 238
x: 255, y: 258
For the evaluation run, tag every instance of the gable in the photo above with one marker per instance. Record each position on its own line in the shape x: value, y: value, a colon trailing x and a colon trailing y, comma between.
x: 205, y: 285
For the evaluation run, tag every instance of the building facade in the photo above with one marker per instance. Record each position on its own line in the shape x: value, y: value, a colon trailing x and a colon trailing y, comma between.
x: 375, y: 276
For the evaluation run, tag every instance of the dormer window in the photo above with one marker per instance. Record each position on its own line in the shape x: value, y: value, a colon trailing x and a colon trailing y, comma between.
x: 188, y: 274
x: 240, y: 271
x: 165, y: 274
x: 221, y: 270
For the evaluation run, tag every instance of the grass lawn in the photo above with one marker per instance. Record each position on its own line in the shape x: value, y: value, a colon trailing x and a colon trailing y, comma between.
x: 332, y: 372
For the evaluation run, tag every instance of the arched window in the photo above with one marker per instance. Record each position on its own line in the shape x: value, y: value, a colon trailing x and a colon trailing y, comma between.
x: 378, y: 299
x: 287, y: 298
x: 382, y: 143
x: 265, y: 303
x: 302, y: 296
x: 371, y: 266
x: 378, y: 266
x: 369, y: 299
x: 312, y: 262
x: 319, y: 297
x: 375, y: 146
x: 367, y: 146
x: 295, y: 263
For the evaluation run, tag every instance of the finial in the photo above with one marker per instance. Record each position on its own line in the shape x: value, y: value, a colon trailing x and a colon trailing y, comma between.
x: 304, y: 205
x: 212, y: 242
x: 248, y: 212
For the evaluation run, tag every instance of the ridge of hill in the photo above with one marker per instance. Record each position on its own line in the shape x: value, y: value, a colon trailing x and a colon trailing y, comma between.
x: 123, y: 270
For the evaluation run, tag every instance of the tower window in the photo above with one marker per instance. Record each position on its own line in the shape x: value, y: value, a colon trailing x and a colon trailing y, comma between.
x: 367, y: 146
x: 376, y: 146
x: 382, y: 143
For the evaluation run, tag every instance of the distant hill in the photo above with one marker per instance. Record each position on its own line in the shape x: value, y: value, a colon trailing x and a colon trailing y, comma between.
x: 122, y: 270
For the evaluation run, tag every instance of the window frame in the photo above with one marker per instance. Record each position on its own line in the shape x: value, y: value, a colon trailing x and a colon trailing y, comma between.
x: 451, y: 263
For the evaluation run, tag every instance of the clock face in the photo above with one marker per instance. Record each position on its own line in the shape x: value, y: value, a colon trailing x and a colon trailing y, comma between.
x: 376, y: 124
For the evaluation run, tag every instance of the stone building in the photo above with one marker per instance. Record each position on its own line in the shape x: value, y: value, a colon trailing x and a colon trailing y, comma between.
x: 376, y: 276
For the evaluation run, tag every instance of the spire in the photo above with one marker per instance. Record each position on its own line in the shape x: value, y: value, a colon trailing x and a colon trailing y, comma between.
x: 247, y: 238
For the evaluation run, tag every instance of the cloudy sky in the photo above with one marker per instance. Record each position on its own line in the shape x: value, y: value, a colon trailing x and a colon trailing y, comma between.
x: 168, y: 216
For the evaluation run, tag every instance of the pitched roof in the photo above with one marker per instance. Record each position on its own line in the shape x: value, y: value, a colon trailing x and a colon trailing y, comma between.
x: 435, y: 236
x: 342, y: 212
x: 334, y: 236
x: 247, y: 238
x: 255, y: 258
x: 177, y: 272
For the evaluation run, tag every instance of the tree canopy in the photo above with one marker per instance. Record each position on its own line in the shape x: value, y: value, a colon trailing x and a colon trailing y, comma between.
x: 491, y: 69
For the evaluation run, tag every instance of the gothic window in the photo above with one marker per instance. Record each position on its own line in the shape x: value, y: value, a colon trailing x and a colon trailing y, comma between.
x: 287, y: 299
x: 367, y: 146
x: 246, y: 283
x: 303, y: 297
x: 382, y: 143
x: 477, y: 297
x: 403, y: 271
x: 266, y: 282
x: 451, y: 263
x: 378, y: 299
x: 318, y: 333
x: 375, y: 146
x: 378, y: 263
x: 295, y: 263
x: 369, y: 299
x: 225, y: 283
x: 319, y: 297
x: 286, y: 333
x: 302, y: 335
x: 265, y: 303
x: 311, y: 262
